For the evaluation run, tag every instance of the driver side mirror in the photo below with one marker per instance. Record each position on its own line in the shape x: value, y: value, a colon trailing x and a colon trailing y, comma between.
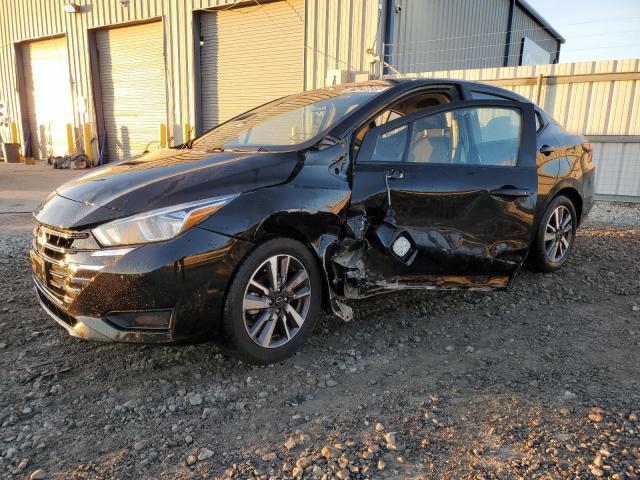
x: 396, y: 241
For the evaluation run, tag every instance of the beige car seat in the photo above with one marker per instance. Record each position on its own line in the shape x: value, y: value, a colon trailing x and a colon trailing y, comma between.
x: 431, y: 141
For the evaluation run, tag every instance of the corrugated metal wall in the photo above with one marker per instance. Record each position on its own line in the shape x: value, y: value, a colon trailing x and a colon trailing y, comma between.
x: 230, y: 84
x: 127, y: 74
x: 337, y: 35
x: 439, y: 34
x: 525, y: 26
x: 600, y: 100
x: 45, y: 67
x: 449, y: 34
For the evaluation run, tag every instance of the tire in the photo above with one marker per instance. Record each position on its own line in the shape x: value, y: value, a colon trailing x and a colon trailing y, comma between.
x: 271, y: 332
x: 544, y: 254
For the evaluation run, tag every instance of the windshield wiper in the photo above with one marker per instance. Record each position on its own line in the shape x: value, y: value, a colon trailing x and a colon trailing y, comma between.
x: 247, y: 150
x: 188, y: 145
x: 237, y: 150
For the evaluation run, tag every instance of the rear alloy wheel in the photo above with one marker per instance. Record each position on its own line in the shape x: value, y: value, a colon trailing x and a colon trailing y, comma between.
x: 273, y: 302
x: 558, y: 233
x: 555, y: 236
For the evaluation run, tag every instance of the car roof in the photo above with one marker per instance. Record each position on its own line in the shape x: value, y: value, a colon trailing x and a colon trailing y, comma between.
x: 413, y: 82
x: 399, y: 86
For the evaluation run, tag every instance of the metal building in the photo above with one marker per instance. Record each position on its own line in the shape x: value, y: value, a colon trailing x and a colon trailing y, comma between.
x: 460, y: 34
x: 122, y: 76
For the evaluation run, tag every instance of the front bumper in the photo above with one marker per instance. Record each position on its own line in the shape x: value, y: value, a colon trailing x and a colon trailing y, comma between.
x: 83, y: 290
x: 97, y: 329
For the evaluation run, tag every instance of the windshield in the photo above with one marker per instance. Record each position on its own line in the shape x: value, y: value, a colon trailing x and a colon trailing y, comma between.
x: 289, y: 121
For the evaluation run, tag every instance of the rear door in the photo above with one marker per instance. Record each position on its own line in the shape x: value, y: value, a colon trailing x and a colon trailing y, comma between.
x: 550, y: 157
x: 462, y: 187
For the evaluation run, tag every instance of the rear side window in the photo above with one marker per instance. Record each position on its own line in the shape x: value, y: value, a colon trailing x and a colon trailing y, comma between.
x: 498, y: 124
x: 477, y: 95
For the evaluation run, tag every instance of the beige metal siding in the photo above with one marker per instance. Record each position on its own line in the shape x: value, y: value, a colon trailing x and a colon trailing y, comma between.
x: 48, y: 96
x: 600, y: 100
x: 250, y: 55
x: 337, y: 35
x: 132, y: 87
x: 618, y: 171
x: 345, y: 35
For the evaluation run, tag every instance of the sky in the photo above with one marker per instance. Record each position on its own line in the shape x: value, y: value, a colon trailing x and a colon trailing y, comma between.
x: 594, y: 29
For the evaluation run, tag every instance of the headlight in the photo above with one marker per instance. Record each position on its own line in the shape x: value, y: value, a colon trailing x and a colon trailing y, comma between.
x: 157, y: 225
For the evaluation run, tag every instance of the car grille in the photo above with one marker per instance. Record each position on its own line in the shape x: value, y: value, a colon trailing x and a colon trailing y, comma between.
x: 54, y: 309
x: 62, y: 279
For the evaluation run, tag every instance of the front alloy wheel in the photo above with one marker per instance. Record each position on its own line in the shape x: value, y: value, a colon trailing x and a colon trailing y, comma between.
x: 276, y: 301
x: 272, y: 302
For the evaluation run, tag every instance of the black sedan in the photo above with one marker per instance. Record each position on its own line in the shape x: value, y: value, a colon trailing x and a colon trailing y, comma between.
x: 245, y: 233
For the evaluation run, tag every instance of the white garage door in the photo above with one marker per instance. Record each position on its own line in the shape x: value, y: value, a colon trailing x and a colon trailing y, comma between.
x: 132, y: 87
x: 48, y: 96
x: 250, y: 55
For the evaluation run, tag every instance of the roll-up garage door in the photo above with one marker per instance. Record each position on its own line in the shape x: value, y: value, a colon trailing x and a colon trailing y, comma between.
x: 48, y: 96
x: 250, y: 55
x: 132, y: 87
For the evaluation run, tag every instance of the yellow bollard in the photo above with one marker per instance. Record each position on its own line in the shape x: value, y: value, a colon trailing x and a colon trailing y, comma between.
x: 163, y: 135
x: 187, y: 133
x: 14, y: 132
x: 87, y: 143
x: 70, y: 143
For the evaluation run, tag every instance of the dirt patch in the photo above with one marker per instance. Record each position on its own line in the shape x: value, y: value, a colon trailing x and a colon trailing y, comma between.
x: 539, y: 382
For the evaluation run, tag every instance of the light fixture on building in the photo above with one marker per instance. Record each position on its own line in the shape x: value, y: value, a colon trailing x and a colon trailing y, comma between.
x: 72, y: 8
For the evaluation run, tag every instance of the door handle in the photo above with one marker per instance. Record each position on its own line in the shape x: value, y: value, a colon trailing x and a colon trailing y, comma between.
x: 394, y: 174
x: 546, y: 150
x: 510, y: 192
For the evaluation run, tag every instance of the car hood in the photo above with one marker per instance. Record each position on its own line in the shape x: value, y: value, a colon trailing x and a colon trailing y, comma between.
x: 160, y: 179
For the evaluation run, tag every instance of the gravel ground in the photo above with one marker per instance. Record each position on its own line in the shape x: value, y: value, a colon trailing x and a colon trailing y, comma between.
x: 539, y: 382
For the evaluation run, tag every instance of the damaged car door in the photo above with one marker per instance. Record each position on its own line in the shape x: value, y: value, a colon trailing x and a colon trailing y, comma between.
x: 443, y: 198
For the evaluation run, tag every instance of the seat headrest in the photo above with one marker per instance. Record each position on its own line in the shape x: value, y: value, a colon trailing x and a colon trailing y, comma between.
x: 500, y: 127
x: 432, y: 126
x: 433, y: 121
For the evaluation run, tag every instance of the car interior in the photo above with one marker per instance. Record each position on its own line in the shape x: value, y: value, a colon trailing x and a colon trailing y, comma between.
x: 479, y: 136
x: 413, y: 103
x: 435, y: 139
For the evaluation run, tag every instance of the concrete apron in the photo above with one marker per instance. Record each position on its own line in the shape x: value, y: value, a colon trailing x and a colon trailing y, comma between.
x: 24, y: 187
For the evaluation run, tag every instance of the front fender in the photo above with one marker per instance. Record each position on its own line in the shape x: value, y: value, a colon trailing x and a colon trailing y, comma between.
x: 312, y: 215
x: 311, y: 212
